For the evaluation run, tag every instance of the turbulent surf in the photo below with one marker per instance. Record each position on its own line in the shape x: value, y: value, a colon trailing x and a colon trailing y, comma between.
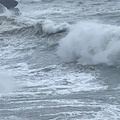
x: 60, y: 60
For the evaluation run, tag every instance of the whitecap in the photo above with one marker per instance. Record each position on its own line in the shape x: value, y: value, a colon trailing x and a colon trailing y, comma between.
x: 50, y: 27
x: 91, y: 43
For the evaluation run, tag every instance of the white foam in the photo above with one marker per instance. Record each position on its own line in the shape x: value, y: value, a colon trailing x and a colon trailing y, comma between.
x: 50, y: 27
x: 108, y: 112
x: 58, y: 81
x: 12, y: 118
x: 91, y: 43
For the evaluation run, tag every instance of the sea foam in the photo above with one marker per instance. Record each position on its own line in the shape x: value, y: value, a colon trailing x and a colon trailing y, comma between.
x: 50, y: 27
x: 91, y: 43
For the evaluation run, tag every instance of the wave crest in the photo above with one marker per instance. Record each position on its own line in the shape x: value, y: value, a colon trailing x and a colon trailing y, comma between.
x: 50, y: 27
x: 91, y: 43
x: 36, y: 28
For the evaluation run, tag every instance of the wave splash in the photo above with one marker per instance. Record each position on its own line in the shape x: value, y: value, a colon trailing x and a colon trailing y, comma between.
x: 91, y: 43
x: 50, y: 27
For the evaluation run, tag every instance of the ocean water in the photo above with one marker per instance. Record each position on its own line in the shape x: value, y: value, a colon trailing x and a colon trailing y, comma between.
x: 60, y: 60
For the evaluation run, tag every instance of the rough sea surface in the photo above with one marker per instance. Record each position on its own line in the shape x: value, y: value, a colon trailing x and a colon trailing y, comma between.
x: 60, y: 60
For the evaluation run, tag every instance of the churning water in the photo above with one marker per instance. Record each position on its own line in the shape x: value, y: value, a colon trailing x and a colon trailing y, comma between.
x: 60, y: 60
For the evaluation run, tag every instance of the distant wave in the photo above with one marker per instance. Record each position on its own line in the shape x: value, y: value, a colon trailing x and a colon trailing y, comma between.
x: 44, y: 26
x: 91, y: 43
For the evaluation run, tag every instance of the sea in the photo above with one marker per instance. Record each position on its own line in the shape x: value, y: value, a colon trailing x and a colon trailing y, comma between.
x: 60, y: 60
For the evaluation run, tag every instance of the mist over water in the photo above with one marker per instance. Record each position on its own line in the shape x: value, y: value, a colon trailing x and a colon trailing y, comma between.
x: 60, y: 60
x: 6, y: 82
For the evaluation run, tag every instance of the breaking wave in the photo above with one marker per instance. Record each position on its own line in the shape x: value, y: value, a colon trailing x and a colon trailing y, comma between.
x: 50, y: 27
x: 91, y: 43
x: 36, y: 28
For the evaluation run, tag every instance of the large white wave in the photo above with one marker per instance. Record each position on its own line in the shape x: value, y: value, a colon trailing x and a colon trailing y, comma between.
x: 91, y: 43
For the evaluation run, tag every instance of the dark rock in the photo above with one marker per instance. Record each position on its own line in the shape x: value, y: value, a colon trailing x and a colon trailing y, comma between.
x: 9, y: 4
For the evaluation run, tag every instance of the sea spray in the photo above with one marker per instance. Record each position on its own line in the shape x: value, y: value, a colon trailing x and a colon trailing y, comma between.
x: 6, y: 82
x: 91, y: 43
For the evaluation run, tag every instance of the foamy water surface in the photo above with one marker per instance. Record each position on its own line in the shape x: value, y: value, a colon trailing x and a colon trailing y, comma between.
x: 60, y: 61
